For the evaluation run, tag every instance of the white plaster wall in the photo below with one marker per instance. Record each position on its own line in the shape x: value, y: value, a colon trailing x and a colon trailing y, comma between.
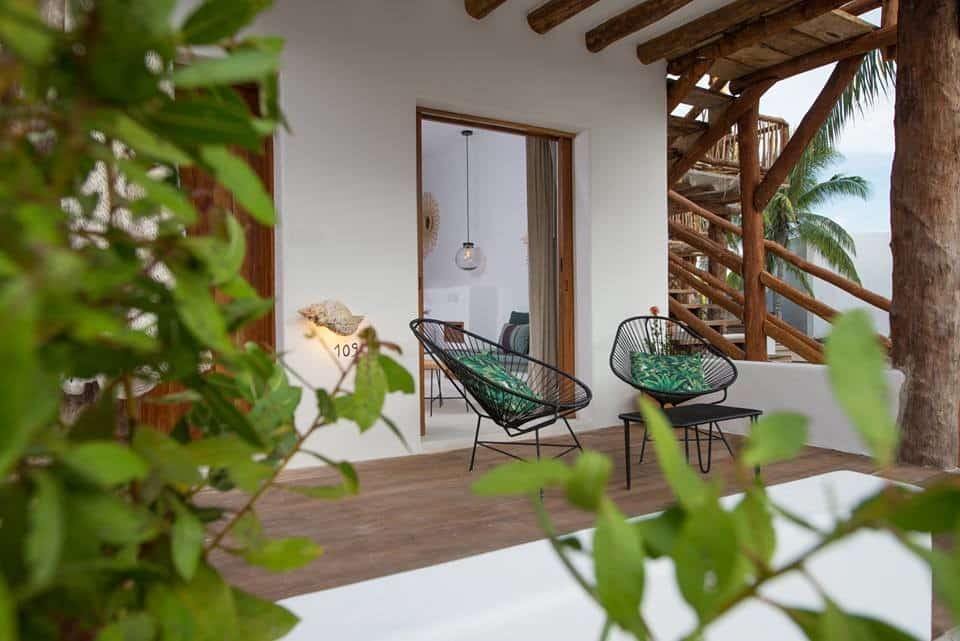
x: 498, y: 225
x: 803, y: 388
x: 354, y: 72
x: 874, y: 262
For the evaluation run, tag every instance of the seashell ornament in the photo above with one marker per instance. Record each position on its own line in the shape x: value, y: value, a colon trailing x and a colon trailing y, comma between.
x: 333, y: 315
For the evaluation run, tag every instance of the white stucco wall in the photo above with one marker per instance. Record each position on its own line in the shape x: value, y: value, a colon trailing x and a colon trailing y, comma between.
x: 802, y: 388
x: 874, y: 263
x: 355, y: 71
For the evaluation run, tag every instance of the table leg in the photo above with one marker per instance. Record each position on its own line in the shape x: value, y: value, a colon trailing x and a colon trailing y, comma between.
x: 753, y: 421
x: 626, y: 447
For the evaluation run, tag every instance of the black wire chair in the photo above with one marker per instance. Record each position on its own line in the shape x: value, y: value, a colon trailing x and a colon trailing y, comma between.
x: 656, y: 335
x: 534, y: 395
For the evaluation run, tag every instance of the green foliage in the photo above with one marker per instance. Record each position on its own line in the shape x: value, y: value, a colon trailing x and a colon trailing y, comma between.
x: 109, y: 271
x: 723, y: 554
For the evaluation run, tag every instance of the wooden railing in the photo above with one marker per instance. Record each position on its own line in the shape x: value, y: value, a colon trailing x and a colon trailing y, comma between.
x: 773, y: 134
x: 718, y: 292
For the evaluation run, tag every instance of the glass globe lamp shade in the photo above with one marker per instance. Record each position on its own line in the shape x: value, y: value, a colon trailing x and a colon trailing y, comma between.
x: 468, y: 257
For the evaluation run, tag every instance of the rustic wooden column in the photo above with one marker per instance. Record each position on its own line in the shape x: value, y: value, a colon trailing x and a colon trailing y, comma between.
x: 925, y: 221
x: 755, y: 299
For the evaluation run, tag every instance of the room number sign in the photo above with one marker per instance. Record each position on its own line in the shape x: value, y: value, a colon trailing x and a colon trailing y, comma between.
x: 346, y: 350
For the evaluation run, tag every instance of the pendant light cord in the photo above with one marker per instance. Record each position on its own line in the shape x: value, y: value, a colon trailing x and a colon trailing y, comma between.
x: 467, y: 139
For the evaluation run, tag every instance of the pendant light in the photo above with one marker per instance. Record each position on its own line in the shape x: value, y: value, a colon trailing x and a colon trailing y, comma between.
x: 468, y: 257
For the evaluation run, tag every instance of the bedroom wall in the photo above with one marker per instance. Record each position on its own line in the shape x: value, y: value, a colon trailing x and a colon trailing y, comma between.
x: 354, y: 73
x: 498, y: 225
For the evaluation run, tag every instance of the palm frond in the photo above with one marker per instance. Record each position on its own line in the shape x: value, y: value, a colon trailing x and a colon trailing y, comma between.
x: 838, y: 186
x: 831, y: 226
x: 875, y: 78
x: 830, y: 249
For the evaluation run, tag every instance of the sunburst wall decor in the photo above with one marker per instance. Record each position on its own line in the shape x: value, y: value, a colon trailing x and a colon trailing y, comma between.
x: 430, y: 222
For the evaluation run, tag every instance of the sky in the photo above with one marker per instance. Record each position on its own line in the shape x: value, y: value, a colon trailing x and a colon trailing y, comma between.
x: 867, y: 146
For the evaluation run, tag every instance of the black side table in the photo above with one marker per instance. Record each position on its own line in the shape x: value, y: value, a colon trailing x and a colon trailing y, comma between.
x: 686, y: 417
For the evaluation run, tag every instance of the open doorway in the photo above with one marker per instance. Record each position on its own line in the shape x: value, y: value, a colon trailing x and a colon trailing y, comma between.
x: 495, y: 250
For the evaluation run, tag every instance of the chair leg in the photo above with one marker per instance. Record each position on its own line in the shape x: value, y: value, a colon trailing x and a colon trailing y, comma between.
x: 686, y: 443
x: 724, y: 440
x: 626, y: 449
x: 643, y: 444
x: 709, y: 449
x: 440, y: 386
x: 431, y: 393
x: 476, y: 437
x: 537, y: 434
x: 569, y: 429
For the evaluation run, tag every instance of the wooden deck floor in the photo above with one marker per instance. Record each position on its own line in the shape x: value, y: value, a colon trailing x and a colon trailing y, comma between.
x: 417, y: 511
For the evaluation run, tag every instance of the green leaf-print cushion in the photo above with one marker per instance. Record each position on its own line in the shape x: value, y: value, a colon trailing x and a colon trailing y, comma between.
x: 668, y: 373
x: 487, y: 366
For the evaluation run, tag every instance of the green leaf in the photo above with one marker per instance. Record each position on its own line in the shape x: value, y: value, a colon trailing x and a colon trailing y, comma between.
x: 522, y: 477
x: 856, y: 365
x: 30, y: 398
x: 223, y: 258
x: 117, y: 124
x: 170, y: 460
x: 775, y: 437
x: 106, y: 463
x: 237, y: 176
x: 186, y: 541
x: 188, y: 122
x: 239, y: 67
x: 393, y: 427
x: 108, y: 518
x: 133, y: 627
x: 619, y: 559
x: 199, y: 311
x: 45, y: 536
x: 234, y: 455
x: 228, y: 416
x: 707, y: 559
x: 201, y: 609
x: 260, y: 620
x: 8, y: 612
x: 365, y: 405
x: 661, y: 532
x: 690, y: 490
x: 349, y: 487
x: 275, y: 408
x: 588, y: 480
x: 398, y: 378
x: 239, y: 313
x: 834, y: 625
x: 283, y: 555
x: 754, y: 524
x: 326, y: 406
x: 160, y: 193
x: 22, y: 30
x: 215, y: 20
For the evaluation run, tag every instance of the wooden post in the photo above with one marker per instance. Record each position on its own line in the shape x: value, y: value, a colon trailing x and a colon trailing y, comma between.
x: 754, y: 295
x: 925, y: 222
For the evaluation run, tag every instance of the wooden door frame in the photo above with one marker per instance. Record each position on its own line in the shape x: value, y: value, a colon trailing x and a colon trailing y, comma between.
x: 566, y: 312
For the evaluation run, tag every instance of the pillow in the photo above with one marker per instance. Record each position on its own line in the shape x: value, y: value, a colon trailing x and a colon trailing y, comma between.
x: 515, y: 338
x: 487, y: 366
x: 519, y: 318
x: 675, y: 373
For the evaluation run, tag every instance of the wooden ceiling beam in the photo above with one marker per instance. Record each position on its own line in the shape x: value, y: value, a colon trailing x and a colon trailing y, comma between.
x: 754, y: 33
x: 556, y: 12
x: 678, y: 90
x: 631, y: 21
x: 480, y: 9
x: 842, y: 74
x: 818, y: 58
x: 860, y: 7
x: 692, y: 34
x: 718, y: 129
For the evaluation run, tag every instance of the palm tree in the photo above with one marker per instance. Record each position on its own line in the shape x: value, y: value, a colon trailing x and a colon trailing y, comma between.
x: 791, y: 218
